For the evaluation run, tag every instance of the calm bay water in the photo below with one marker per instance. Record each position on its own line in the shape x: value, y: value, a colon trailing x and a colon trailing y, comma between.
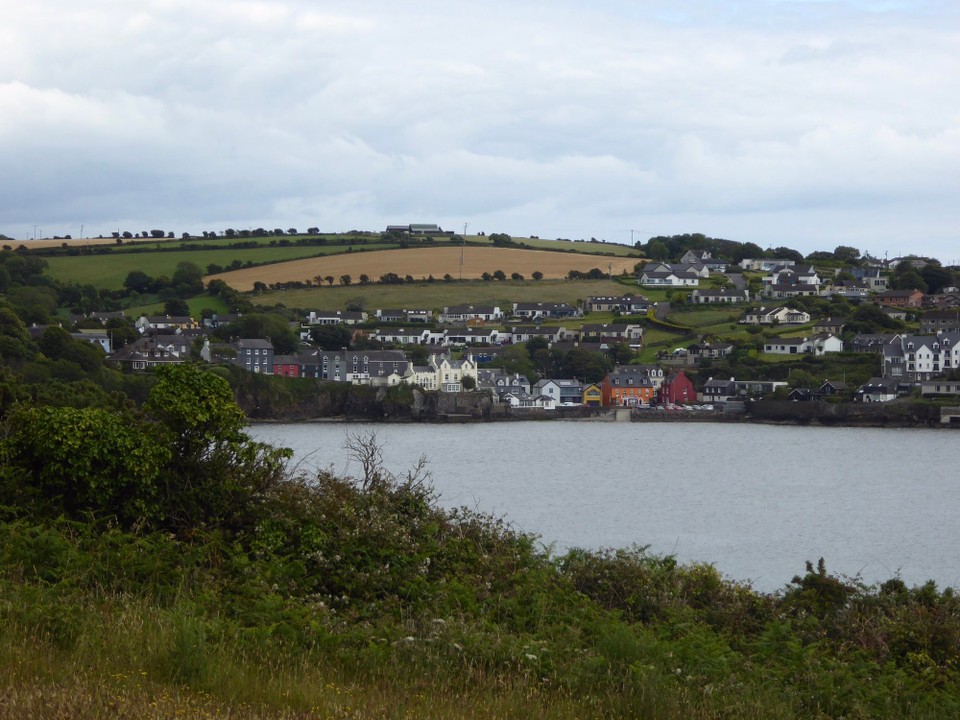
x: 754, y: 500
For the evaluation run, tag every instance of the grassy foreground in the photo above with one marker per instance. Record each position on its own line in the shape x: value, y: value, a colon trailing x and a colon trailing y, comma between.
x: 354, y: 603
x: 156, y: 562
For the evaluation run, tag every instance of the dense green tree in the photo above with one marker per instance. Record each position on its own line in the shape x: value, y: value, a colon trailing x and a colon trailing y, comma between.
x: 187, y: 279
x: 176, y: 307
x: 585, y: 365
x: 621, y: 353
x: 910, y: 280
x: 54, y: 342
x: 217, y: 474
x: 270, y: 326
x: 81, y: 462
x: 24, y: 269
x: 331, y: 337
x: 11, y: 388
x: 546, y: 362
x: 12, y: 351
x: 419, y: 355
x: 537, y: 343
x: 12, y: 326
x: 657, y: 250
x: 786, y: 253
x: 57, y: 344
x: 847, y: 254
x: 937, y: 277
x: 122, y: 332
x: 870, y: 319
x: 34, y: 304
x: 516, y: 359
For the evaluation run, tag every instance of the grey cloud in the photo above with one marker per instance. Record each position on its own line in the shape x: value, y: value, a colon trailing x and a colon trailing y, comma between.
x: 807, y: 123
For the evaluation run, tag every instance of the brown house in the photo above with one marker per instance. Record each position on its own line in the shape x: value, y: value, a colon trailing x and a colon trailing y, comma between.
x: 901, y: 298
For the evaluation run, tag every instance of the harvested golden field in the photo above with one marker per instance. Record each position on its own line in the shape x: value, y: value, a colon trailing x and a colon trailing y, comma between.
x: 47, y: 243
x: 422, y: 262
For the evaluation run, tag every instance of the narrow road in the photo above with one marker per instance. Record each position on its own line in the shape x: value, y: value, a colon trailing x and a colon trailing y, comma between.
x: 737, y: 280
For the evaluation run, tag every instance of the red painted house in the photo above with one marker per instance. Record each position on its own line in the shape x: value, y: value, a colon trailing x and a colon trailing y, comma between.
x: 286, y: 365
x: 677, y: 389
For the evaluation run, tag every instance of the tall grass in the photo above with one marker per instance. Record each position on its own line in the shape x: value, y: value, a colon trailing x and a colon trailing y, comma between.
x: 360, y: 598
x: 134, y: 659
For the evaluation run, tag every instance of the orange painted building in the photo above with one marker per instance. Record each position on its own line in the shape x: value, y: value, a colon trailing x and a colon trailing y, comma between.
x: 627, y: 386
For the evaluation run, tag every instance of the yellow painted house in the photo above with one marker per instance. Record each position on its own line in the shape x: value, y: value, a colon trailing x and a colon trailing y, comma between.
x: 592, y: 395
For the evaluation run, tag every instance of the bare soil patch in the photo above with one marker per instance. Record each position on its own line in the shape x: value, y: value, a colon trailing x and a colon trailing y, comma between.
x: 423, y: 262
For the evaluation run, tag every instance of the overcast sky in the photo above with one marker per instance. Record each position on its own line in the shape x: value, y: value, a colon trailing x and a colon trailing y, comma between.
x: 808, y: 124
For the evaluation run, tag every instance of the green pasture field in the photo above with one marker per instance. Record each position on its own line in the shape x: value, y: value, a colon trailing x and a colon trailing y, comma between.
x: 440, y: 294
x: 274, y: 240
x: 109, y: 270
x: 207, y: 302
x: 197, y: 305
x: 656, y: 340
x: 777, y: 358
x: 716, y: 320
x: 711, y: 315
x: 220, y: 241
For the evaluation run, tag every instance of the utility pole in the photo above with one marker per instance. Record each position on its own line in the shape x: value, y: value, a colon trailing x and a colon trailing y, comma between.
x: 463, y: 242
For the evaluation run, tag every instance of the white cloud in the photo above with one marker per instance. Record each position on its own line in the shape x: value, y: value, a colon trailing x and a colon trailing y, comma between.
x: 808, y: 121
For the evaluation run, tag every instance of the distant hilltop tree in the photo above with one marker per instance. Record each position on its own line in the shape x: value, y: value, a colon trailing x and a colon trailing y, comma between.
x: 663, y: 247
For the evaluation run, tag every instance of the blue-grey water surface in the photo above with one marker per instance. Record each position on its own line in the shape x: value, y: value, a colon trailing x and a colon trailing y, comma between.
x: 754, y: 500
